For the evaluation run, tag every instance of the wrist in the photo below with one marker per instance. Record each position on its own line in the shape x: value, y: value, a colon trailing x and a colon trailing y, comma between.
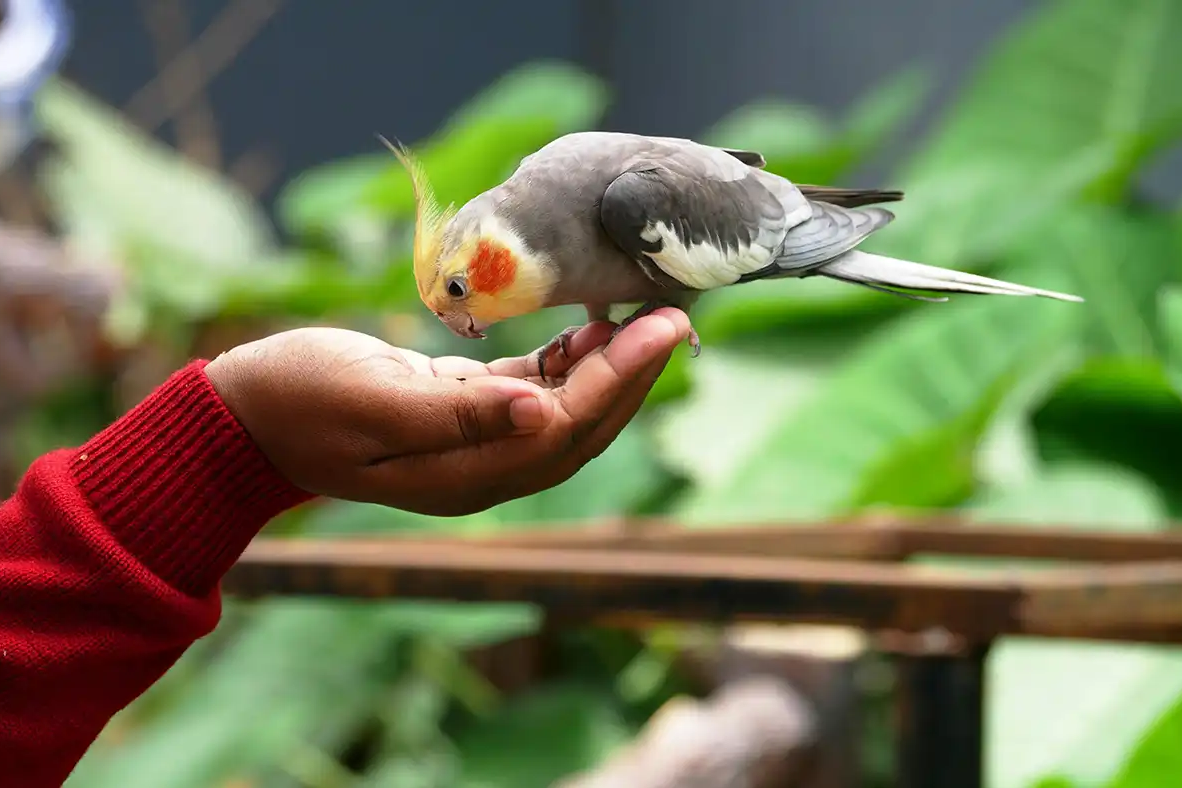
x: 180, y: 484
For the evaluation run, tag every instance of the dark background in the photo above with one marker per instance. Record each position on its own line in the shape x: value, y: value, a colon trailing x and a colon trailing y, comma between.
x: 322, y: 77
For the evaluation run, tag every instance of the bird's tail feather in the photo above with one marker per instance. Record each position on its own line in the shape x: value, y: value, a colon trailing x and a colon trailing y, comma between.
x: 886, y: 273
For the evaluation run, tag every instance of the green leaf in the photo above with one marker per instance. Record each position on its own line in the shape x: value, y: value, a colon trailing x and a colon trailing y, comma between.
x: 242, y: 714
x: 314, y: 286
x: 1117, y: 411
x: 1073, y: 101
x: 804, y: 146
x: 613, y: 484
x: 1076, y: 495
x: 897, y: 423
x: 1049, y: 712
x: 974, y: 212
x: 1157, y: 759
x: 1073, y: 75
x: 541, y: 737
x: 792, y: 305
x: 318, y: 198
x: 1169, y: 312
x: 120, y: 192
x: 519, y: 112
x: 705, y: 436
x: 1118, y: 262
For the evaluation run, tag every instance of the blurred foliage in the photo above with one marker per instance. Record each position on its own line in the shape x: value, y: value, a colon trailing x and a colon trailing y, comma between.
x: 812, y: 399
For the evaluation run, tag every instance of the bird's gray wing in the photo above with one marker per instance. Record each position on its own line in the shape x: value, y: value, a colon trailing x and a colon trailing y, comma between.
x: 709, y: 222
x: 703, y: 220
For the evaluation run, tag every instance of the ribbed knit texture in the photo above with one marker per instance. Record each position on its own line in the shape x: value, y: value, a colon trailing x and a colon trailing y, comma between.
x: 110, y: 556
x: 180, y: 484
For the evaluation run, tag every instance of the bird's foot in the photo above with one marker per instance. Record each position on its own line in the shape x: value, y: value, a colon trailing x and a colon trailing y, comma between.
x: 559, y: 345
x: 694, y: 343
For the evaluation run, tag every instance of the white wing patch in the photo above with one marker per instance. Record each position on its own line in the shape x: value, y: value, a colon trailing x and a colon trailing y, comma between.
x: 703, y: 266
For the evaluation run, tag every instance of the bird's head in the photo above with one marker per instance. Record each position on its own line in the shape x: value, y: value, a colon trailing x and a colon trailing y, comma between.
x: 471, y: 270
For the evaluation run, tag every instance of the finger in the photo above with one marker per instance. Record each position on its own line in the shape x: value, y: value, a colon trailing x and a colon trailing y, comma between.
x: 593, y: 385
x: 543, y: 461
x: 596, y: 436
x: 458, y: 367
x: 426, y: 415
x: 588, y: 439
x: 520, y: 466
x: 589, y: 337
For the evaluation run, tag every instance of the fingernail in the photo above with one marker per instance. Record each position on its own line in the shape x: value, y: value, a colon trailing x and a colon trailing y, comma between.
x: 526, y: 413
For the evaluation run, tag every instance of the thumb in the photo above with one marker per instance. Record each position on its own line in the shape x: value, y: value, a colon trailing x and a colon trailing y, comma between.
x: 441, y: 414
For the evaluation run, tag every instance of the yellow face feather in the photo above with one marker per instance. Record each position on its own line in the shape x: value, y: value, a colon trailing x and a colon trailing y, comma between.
x: 430, y: 220
x: 487, y: 277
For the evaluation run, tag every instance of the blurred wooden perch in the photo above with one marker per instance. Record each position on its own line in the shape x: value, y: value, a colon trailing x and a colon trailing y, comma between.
x: 756, y: 732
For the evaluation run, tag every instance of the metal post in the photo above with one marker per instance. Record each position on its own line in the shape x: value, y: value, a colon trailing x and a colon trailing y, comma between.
x: 941, y: 719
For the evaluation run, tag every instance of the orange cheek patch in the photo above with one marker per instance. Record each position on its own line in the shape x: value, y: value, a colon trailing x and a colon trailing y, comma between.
x: 492, y: 268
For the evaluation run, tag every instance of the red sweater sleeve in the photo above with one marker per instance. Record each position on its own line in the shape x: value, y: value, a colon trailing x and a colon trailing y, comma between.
x: 110, y: 559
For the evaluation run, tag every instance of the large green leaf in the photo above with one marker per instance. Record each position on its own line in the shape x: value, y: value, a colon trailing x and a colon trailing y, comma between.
x: 720, y: 424
x: 1157, y: 759
x: 1120, y: 411
x: 1073, y: 75
x: 897, y: 423
x: 299, y: 671
x: 1047, y: 712
x: 541, y: 737
x: 329, y: 194
x: 1075, y: 495
x: 119, y: 192
x: 243, y: 713
x: 315, y: 286
x: 1077, y: 96
x: 1118, y: 261
x: 610, y: 485
x: 1071, y: 708
x: 804, y: 146
x: 1169, y: 308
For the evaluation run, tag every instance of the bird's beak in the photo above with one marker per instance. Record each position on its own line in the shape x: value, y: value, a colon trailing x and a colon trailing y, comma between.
x: 463, y: 325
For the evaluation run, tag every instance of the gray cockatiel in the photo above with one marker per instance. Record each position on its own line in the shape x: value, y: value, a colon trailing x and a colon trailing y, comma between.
x: 601, y: 218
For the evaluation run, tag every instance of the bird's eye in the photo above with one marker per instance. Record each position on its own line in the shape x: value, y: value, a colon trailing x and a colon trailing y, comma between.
x: 456, y: 288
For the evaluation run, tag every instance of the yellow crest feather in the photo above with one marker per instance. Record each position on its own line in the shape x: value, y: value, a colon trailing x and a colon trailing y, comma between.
x: 430, y: 219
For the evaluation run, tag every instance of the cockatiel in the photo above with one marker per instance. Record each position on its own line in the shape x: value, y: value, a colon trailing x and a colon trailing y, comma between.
x: 604, y: 218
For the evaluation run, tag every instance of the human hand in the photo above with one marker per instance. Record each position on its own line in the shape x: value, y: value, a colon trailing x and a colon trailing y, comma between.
x: 345, y: 415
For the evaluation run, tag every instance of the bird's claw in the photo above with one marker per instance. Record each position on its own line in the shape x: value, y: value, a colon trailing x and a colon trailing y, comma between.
x: 558, y: 345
